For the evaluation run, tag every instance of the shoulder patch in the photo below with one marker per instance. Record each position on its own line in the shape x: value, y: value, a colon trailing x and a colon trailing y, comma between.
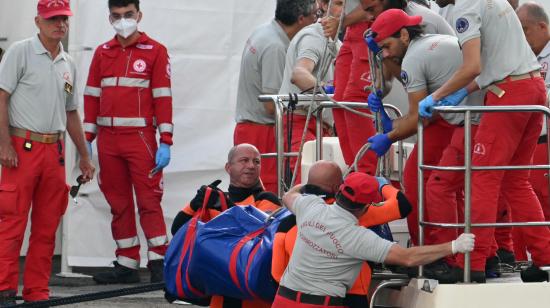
x: 106, y: 46
x: 462, y: 25
x: 144, y: 46
x: 404, y: 77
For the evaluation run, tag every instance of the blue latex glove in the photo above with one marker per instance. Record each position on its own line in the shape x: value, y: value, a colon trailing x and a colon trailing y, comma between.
x: 375, y: 101
x: 455, y: 98
x: 162, y: 158
x: 426, y: 107
x: 329, y: 89
x: 380, y: 144
x: 373, y: 46
x: 89, y: 148
x: 375, y: 105
x: 382, y: 181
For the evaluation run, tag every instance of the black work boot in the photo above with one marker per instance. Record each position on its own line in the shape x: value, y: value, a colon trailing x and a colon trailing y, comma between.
x: 534, y: 274
x: 157, y: 270
x: 7, y: 298
x: 436, y: 269
x: 119, y: 274
x: 492, y: 269
x: 506, y: 256
x: 456, y: 274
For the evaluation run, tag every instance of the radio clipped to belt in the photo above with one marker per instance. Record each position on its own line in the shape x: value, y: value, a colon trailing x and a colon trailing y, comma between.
x: 27, y: 145
x: 60, y: 151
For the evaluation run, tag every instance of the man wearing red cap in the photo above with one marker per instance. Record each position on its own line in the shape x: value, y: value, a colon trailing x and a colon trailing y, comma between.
x: 37, y: 105
x: 127, y: 98
x: 330, y: 247
x: 498, y: 57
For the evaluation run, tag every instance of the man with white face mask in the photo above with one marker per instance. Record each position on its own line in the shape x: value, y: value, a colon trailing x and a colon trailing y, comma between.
x: 127, y: 97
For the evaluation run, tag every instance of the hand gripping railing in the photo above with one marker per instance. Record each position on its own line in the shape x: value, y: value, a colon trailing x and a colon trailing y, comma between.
x: 281, y: 103
x: 468, y: 168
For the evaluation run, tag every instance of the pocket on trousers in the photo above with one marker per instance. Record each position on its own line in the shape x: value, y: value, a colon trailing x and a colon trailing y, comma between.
x: 482, y: 150
x: 8, y: 199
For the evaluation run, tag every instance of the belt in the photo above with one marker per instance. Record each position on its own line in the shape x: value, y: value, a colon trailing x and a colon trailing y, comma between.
x: 530, y: 75
x: 43, y: 138
x: 500, y: 93
x: 309, y: 298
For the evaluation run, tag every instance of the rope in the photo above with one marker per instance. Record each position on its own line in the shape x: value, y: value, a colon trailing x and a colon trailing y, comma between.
x: 94, y: 296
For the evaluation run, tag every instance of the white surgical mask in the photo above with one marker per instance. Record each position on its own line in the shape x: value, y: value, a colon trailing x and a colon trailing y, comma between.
x: 125, y: 26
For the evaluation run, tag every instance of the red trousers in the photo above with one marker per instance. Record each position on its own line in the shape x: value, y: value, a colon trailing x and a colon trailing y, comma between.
x: 282, y: 302
x: 125, y: 159
x: 39, y: 180
x: 437, y: 136
x: 444, y: 199
x: 262, y: 136
x: 351, y: 76
x: 510, y: 144
x: 298, y: 125
x: 539, y: 181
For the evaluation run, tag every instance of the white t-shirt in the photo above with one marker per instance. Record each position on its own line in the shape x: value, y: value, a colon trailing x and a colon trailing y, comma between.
x: 330, y: 248
x: 504, y: 49
x: 308, y: 43
x: 432, y: 22
x: 430, y: 61
x: 41, y: 89
x: 262, y: 65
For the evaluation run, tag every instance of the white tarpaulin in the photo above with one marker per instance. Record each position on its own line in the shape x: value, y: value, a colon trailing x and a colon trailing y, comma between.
x: 205, y: 40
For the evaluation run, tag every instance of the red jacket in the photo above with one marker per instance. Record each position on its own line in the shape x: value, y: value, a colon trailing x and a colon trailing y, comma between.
x: 129, y: 88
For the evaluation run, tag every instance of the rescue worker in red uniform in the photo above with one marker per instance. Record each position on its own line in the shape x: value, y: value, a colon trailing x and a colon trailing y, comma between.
x: 351, y: 77
x: 127, y: 97
x: 536, y: 27
x: 37, y: 105
x: 497, y: 57
x: 243, y: 167
x: 261, y: 72
x: 324, y: 179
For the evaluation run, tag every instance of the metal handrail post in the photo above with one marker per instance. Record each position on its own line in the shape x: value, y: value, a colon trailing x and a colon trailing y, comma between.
x: 420, y: 178
x: 467, y: 187
x: 319, y: 135
x: 279, y: 135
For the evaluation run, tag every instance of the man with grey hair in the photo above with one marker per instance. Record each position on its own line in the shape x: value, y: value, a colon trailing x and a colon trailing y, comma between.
x: 535, y: 23
x: 262, y: 66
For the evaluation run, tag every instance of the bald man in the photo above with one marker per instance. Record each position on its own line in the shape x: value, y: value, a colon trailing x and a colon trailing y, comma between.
x: 245, y: 188
x: 325, y: 179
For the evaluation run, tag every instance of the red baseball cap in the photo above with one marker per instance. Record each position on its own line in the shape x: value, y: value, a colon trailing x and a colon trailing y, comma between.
x: 361, y: 188
x: 51, y: 8
x: 391, y: 21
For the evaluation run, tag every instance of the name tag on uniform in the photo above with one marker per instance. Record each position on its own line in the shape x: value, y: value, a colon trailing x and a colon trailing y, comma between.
x: 68, y: 88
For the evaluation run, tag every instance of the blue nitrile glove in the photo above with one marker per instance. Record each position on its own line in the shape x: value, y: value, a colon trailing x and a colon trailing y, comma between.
x: 426, y: 107
x: 380, y: 144
x: 162, y: 158
x: 382, y: 181
x: 455, y: 98
x: 89, y: 148
x: 375, y: 101
x: 373, y: 46
x: 329, y: 89
x: 375, y: 105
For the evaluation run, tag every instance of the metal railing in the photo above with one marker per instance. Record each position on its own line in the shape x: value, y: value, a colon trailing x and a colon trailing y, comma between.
x: 281, y: 104
x: 468, y: 168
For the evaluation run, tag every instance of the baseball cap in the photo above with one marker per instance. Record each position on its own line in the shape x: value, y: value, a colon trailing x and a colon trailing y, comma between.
x: 360, y: 188
x: 50, y: 8
x: 391, y: 21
